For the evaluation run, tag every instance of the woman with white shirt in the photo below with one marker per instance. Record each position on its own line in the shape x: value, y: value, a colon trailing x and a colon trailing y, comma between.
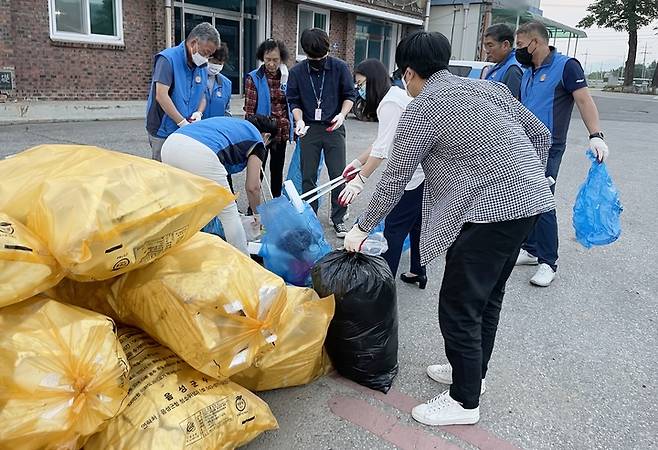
x: 388, y: 103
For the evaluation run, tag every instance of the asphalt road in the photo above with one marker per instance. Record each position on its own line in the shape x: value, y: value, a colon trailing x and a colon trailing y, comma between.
x: 574, y: 365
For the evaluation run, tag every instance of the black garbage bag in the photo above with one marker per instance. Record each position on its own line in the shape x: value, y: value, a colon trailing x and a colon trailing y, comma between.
x: 362, y: 340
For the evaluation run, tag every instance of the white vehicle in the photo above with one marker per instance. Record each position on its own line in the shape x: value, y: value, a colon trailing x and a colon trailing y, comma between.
x: 470, y: 69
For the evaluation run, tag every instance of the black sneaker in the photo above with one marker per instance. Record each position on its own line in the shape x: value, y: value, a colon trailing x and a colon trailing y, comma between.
x: 341, y: 230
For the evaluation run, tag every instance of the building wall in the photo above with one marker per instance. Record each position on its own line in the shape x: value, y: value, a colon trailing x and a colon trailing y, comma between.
x: 6, y: 48
x: 449, y: 20
x: 49, y: 70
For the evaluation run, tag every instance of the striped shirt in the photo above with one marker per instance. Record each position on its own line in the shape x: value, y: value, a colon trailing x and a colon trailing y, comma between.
x: 484, y: 156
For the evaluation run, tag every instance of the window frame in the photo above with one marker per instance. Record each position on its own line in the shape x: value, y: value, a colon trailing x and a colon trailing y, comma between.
x: 299, y: 53
x: 88, y: 38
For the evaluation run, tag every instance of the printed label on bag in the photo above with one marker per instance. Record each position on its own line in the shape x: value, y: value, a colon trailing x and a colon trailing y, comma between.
x: 156, y: 247
x: 205, y: 421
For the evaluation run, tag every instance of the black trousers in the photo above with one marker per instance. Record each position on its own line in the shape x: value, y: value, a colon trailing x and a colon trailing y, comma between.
x: 478, y: 265
x: 405, y: 219
x: 333, y: 144
x: 277, y: 157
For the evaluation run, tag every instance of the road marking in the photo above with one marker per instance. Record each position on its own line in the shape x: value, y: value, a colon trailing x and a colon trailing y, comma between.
x: 388, y: 428
x: 473, y: 434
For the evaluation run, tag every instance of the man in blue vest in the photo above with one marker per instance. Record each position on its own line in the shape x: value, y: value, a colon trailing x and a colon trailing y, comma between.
x: 180, y: 79
x: 499, y: 45
x: 549, y: 88
x: 219, y: 86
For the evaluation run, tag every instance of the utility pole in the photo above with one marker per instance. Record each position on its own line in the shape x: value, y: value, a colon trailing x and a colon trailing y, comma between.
x: 586, y: 55
x: 644, y: 62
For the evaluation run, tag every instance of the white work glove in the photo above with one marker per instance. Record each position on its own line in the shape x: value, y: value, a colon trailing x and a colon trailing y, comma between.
x: 300, y: 128
x: 338, y: 121
x: 196, y: 115
x: 354, y: 239
x: 351, y: 170
x: 599, y: 148
x: 182, y: 123
x: 284, y: 75
x: 352, y: 190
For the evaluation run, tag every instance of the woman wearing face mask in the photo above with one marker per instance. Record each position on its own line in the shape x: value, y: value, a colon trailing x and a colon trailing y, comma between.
x: 388, y: 103
x: 219, y: 86
x: 265, y: 94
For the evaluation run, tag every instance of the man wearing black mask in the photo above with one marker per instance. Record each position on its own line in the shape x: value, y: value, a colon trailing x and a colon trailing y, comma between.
x: 321, y: 94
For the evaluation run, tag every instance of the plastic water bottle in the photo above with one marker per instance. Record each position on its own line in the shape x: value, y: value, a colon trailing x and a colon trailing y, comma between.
x: 375, y: 245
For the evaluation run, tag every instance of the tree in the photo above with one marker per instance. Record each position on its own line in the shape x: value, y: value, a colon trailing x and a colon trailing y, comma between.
x: 622, y: 15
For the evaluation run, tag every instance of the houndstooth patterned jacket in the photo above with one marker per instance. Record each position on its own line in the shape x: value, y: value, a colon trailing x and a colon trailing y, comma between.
x: 484, y: 156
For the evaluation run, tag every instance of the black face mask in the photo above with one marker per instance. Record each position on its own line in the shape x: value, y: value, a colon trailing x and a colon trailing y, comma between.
x: 317, y: 64
x: 523, y: 56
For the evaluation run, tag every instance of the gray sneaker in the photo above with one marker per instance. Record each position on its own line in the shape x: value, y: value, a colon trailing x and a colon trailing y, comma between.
x: 340, y: 229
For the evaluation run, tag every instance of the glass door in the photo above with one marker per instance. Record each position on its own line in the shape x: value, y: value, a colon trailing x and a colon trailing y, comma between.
x: 229, y: 31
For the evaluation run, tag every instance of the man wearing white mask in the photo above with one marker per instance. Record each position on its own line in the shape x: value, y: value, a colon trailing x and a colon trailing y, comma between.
x: 180, y: 78
x: 219, y: 86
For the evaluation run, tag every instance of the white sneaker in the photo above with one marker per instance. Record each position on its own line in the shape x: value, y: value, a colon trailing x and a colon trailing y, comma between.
x: 442, y: 373
x: 526, y: 259
x: 544, y: 276
x: 443, y: 410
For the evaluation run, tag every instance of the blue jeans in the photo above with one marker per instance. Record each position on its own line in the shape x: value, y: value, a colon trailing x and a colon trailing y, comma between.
x: 543, y: 240
x: 405, y: 219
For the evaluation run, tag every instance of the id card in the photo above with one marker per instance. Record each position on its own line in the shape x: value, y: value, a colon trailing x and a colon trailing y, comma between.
x: 318, y: 114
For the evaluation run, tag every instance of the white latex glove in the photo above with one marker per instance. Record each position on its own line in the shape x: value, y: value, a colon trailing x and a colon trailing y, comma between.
x: 182, y: 123
x: 354, y: 239
x: 196, y: 115
x: 352, y: 190
x: 300, y: 128
x: 350, y: 170
x: 337, y: 121
x: 599, y: 147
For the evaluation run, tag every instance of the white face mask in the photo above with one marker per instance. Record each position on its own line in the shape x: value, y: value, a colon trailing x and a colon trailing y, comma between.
x: 214, y: 69
x: 406, y: 86
x: 198, y: 59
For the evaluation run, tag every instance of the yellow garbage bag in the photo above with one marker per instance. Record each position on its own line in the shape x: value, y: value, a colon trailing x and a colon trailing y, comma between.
x: 26, y: 266
x: 63, y: 374
x: 172, y: 406
x: 299, y: 357
x: 94, y: 296
x: 103, y: 213
x: 212, y: 305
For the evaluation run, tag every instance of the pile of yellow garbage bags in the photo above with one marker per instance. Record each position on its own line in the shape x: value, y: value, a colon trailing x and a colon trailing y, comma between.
x: 123, y: 326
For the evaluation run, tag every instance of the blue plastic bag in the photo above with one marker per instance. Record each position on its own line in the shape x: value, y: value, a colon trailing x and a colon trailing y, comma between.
x: 295, y: 167
x: 597, y: 209
x: 292, y: 242
x: 380, y: 229
x: 215, y: 227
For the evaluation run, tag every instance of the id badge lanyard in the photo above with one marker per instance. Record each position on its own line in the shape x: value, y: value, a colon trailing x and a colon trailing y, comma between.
x: 318, y: 98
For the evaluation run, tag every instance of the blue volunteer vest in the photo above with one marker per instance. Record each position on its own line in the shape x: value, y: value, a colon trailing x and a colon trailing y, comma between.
x: 219, y: 97
x: 264, y: 105
x: 538, y: 87
x: 188, y: 87
x: 230, y: 138
x: 498, y: 71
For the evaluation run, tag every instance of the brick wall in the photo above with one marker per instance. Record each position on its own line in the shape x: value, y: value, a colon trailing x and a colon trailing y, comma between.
x: 284, y: 25
x: 6, y: 49
x: 66, y: 71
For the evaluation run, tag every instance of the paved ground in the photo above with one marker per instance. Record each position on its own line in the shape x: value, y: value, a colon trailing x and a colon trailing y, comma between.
x: 574, y: 365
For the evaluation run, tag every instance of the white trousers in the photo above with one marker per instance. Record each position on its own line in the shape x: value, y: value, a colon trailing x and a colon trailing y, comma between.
x: 192, y: 156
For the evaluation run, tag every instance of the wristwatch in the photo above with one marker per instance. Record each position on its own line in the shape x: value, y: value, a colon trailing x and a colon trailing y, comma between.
x: 598, y: 134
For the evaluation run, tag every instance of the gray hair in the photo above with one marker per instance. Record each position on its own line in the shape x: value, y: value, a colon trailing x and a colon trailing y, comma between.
x: 204, y: 32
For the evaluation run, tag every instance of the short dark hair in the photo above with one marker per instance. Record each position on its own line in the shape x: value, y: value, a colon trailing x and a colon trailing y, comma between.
x: 426, y: 53
x: 264, y: 124
x: 377, y: 84
x: 315, y: 42
x: 221, y: 53
x: 270, y: 44
x: 535, y: 28
x: 500, y: 33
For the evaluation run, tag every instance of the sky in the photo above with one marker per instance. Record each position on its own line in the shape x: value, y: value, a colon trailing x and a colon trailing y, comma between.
x: 603, y: 48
